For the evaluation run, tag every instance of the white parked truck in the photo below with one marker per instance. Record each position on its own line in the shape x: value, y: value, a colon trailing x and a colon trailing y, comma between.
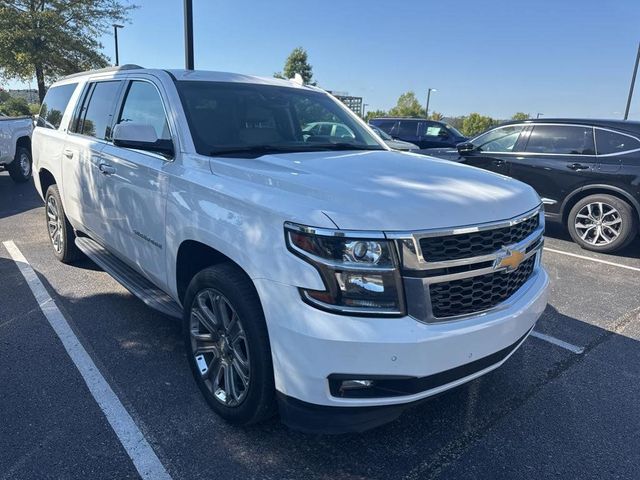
x: 15, y: 147
x: 325, y: 277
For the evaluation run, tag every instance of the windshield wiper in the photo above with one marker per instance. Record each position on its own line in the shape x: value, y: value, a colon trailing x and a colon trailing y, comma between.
x: 345, y: 146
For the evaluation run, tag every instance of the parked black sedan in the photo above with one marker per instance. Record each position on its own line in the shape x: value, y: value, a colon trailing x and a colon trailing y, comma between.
x: 587, y: 172
x: 420, y: 131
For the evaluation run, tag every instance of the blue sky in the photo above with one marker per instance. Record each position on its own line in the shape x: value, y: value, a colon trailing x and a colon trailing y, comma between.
x: 559, y: 58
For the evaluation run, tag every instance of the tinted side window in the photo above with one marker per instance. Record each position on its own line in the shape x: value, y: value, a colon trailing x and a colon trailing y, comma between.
x: 54, y: 105
x: 498, y: 140
x: 384, y: 125
x: 408, y: 129
x: 562, y: 139
x: 97, y: 112
x: 143, y: 105
x: 432, y: 129
x: 611, y: 142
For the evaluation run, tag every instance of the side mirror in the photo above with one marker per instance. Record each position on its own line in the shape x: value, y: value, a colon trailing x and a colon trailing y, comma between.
x: 141, y: 136
x: 465, y: 147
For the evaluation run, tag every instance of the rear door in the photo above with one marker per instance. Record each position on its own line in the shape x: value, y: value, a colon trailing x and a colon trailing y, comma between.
x: 135, y: 188
x: 407, y: 130
x: 557, y: 160
x: 494, y: 149
x: 88, y: 133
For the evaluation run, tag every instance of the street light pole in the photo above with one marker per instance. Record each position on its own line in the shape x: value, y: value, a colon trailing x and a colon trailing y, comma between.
x: 364, y: 108
x: 426, y: 110
x: 633, y: 82
x: 538, y: 115
x: 188, y: 34
x: 115, y: 36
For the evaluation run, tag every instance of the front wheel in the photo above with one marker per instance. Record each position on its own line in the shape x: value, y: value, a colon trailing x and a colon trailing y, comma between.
x: 602, y: 223
x: 227, y: 344
x: 20, y: 168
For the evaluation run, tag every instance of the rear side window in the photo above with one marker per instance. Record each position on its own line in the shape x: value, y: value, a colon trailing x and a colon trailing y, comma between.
x: 408, y: 129
x: 144, y: 105
x: 611, y: 142
x: 96, y: 116
x: 561, y: 139
x: 54, y: 105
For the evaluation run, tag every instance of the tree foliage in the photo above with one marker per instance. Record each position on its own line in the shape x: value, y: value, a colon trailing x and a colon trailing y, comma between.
x: 520, y: 116
x: 437, y: 116
x: 51, y: 38
x: 15, y: 107
x: 475, y: 123
x: 407, y: 106
x: 297, y: 62
x: 375, y: 114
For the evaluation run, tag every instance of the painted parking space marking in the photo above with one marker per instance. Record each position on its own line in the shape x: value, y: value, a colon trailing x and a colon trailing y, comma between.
x: 584, y: 257
x: 135, y: 444
x: 556, y: 341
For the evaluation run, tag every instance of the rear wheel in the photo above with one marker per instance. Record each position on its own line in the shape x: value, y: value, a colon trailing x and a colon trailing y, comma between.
x: 227, y: 343
x: 60, y: 230
x: 20, y: 168
x: 602, y: 223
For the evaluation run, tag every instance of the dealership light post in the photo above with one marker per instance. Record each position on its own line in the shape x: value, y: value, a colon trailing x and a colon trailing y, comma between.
x: 633, y: 82
x: 364, y: 109
x: 115, y: 36
x: 426, y: 110
x: 188, y: 34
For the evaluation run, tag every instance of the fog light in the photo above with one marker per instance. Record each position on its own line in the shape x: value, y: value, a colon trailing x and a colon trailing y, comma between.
x: 355, y: 384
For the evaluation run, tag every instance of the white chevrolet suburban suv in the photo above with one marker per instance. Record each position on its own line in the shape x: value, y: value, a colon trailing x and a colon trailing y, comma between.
x: 323, y: 276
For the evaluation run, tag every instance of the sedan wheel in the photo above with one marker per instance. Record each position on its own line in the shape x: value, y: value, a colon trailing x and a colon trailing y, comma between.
x: 598, y: 223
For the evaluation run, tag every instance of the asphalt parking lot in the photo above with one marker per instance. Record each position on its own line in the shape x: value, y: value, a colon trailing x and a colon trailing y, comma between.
x: 565, y: 405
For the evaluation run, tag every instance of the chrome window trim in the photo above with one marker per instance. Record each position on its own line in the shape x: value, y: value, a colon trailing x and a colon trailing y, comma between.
x: 592, y: 127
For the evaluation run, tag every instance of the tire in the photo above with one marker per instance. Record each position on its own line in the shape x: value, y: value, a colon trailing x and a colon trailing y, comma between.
x: 60, y: 231
x: 20, y: 168
x: 606, y: 233
x: 213, y: 350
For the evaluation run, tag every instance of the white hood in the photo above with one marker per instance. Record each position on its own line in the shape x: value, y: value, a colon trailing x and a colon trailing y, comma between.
x: 381, y: 190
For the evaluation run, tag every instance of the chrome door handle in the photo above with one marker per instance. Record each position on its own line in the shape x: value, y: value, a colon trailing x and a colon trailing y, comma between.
x: 106, y: 169
x: 68, y: 153
x: 577, y: 166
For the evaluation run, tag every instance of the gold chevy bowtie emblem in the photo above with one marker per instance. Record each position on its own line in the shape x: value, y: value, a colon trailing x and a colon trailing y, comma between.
x: 510, y: 260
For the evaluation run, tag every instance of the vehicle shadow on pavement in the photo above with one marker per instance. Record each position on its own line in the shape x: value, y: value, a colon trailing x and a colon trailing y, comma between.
x: 16, y: 198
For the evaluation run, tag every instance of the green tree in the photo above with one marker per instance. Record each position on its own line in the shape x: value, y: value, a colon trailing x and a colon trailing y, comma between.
x: 15, y: 107
x: 407, y: 106
x: 4, y: 96
x: 437, y: 116
x: 475, y: 123
x: 520, y: 116
x: 297, y: 62
x: 51, y: 38
x: 374, y: 114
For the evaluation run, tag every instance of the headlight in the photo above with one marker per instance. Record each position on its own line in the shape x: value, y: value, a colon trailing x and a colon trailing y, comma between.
x: 360, y: 270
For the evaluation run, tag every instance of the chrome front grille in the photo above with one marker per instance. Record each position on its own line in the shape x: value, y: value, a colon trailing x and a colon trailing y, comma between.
x: 450, y: 274
x: 464, y: 245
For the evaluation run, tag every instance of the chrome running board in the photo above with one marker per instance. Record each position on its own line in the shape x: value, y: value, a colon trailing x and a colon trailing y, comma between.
x: 129, y: 278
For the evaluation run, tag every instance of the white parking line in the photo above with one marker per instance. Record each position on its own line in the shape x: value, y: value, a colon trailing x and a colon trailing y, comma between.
x: 558, y: 342
x: 142, y: 455
x: 583, y: 257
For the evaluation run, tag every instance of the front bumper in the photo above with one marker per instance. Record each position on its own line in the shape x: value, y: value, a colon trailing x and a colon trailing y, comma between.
x: 309, y: 345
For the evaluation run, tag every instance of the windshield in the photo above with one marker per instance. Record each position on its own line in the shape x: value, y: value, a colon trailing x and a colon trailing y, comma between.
x: 229, y: 118
x: 455, y: 131
x: 383, y: 135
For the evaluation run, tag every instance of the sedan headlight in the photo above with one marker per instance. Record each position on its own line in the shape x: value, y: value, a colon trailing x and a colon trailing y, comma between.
x: 359, y: 269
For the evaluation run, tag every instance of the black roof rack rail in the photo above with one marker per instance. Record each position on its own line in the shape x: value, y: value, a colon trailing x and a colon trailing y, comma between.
x: 128, y: 66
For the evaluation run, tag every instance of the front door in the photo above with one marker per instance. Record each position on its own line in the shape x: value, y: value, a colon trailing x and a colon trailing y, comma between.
x: 556, y: 160
x: 434, y: 135
x: 135, y: 188
x: 493, y: 150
